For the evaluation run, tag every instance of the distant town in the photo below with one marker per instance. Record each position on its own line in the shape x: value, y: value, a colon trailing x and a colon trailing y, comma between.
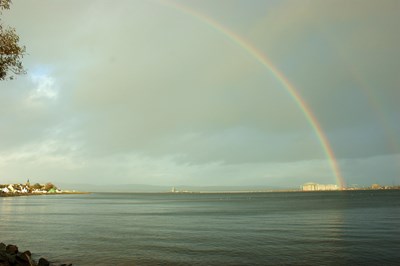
x: 29, y: 189
x: 305, y: 187
x: 329, y: 187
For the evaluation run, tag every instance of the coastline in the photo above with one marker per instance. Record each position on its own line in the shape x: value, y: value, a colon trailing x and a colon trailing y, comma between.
x: 17, y: 194
x: 41, y: 194
x: 18, y: 189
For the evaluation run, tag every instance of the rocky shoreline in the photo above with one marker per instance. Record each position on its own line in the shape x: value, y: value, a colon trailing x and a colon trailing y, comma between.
x: 11, y: 256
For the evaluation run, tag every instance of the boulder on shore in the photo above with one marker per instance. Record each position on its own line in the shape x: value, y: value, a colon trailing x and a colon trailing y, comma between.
x: 10, y: 256
x: 11, y: 249
x: 43, y: 262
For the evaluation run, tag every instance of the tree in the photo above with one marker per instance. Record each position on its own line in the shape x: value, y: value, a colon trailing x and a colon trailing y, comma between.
x: 49, y: 186
x: 11, y: 52
x: 37, y: 186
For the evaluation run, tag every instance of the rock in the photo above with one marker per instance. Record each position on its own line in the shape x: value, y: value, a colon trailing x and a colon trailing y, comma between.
x: 3, y: 257
x: 11, y: 249
x: 43, y: 262
x: 28, y: 253
x: 9, y: 256
x: 23, y: 259
x: 11, y: 259
x: 22, y: 256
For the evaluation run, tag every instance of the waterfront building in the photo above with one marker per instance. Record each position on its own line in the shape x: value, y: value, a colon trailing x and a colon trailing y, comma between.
x: 318, y: 187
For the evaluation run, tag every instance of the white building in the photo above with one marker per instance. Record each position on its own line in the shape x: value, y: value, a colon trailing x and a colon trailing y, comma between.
x: 318, y: 187
x: 11, y: 188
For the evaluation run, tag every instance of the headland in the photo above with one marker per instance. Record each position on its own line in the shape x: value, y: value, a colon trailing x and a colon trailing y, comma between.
x: 13, y: 190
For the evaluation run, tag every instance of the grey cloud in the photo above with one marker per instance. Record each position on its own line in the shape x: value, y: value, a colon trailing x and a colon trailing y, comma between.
x: 151, y: 94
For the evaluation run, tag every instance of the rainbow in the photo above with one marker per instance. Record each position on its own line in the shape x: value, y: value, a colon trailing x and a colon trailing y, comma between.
x: 266, y: 62
x: 392, y: 141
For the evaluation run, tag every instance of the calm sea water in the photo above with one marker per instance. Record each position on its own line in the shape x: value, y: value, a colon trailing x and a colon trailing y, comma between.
x: 330, y: 228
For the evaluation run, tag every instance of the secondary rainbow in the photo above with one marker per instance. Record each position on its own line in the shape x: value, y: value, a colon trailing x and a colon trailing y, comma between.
x: 266, y: 62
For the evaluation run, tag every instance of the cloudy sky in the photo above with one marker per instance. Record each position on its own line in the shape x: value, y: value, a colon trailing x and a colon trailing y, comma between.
x: 151, y: 92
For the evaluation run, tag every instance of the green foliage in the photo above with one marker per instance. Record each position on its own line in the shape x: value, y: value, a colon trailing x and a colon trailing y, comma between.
x: 37, y: 186
x: 11, y: 53
x: 49, y: 186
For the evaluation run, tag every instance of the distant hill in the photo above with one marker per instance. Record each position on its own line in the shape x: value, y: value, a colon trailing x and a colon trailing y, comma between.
x: 116, y: 188
x: 151, y: 188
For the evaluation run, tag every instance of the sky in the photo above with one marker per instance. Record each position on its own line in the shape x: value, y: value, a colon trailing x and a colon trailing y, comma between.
x: 174, y: 93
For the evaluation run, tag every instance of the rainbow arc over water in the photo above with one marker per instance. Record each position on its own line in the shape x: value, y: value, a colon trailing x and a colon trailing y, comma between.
x: 285, y: 82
